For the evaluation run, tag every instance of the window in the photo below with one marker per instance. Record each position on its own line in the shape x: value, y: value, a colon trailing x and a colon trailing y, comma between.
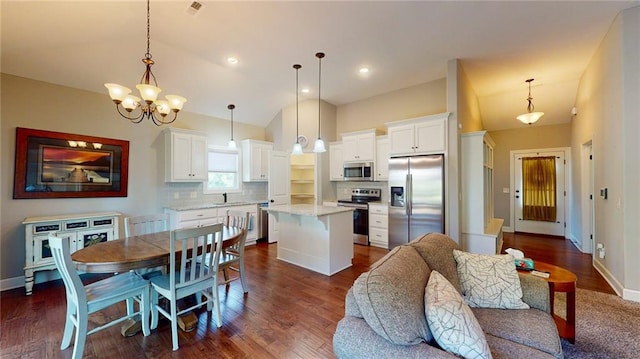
x: 224, y: 171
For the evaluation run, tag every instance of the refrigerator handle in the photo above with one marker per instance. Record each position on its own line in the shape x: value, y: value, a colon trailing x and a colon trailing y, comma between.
x: 409, y: 195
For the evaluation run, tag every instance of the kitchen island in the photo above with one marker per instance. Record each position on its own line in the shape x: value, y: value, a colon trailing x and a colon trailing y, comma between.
x: 315, y: 237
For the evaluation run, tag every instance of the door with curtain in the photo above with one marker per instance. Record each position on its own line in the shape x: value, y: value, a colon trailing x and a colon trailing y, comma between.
x: 540, y: 192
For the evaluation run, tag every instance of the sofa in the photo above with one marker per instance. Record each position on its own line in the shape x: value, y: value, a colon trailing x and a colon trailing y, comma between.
x: 385, y: 309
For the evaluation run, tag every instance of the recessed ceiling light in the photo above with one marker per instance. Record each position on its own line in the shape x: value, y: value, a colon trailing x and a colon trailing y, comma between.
x: 364, y: 70
x: 232, y: 60
x: 305, y: 90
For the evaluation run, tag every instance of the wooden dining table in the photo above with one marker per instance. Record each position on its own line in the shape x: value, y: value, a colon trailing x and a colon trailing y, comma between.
x: 136, y: 252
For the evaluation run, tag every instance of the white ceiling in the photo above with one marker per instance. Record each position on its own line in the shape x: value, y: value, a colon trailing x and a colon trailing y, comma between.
x: 84, y: 44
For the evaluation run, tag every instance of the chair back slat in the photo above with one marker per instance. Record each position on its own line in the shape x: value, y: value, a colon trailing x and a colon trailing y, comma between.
x: 199, y: 246
x: 62, y: 258
x: 151, y: 223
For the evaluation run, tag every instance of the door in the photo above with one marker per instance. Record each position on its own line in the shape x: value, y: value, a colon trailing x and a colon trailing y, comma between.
x: 554, y: 226
x: 398, y: 209
x: 278, y: 188
x: 426, y: 189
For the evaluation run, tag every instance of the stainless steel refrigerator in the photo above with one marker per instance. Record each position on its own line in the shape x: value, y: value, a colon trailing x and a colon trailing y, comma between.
x: 416, y: 198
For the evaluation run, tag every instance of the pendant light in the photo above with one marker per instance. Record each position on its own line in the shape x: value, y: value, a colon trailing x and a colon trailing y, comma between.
x: 232, y: 143
x: 530, y: 117
x: 319, y: 145
x: 297, y: 147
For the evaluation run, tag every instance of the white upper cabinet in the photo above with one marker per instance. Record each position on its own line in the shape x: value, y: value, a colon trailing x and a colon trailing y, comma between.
x: 185, y: 156
x: 359, y: 146
x: 382, y: 158
x: 255, y: 160
x: 336, y: 158
x: 422, y: 135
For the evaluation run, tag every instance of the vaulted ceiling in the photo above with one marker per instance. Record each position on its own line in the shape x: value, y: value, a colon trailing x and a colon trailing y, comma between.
x: 84, y: 44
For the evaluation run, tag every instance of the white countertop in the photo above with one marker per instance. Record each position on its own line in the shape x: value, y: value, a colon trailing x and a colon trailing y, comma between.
x: 215, y: 205
x: 307, y: 209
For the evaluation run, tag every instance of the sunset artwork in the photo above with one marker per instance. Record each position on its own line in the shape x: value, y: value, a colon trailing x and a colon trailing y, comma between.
x: 70, y: 165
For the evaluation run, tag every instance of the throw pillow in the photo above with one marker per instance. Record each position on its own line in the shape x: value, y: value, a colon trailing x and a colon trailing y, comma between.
x: 489, y: 281
x: 452, y: 322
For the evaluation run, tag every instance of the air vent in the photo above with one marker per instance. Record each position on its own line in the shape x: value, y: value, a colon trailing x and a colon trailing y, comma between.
x: 194, y: 8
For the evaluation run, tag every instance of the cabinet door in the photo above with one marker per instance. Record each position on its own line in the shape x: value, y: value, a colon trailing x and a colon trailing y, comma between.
x: 336, y: 165
x: 255, y: 162
x: 401, y: 140
x: 430, y: 137
x: 180, y: 156
x: 198, y: 158
x: 263, y: 173
x: 95, y: 236
x: 382, y: 160
x: 350, y: 148
x: 41, y: 250
x: 367, y: 147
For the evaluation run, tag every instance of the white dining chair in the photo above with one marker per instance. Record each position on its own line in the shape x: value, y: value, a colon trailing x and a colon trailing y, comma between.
x: 187, y: 275
x: 232, y: 257
x: 84, y: 300
x: 144, y: 224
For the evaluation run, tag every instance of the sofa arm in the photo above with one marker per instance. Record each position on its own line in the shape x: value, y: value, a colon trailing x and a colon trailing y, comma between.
x: 535, y: 291
x: 354, y: 338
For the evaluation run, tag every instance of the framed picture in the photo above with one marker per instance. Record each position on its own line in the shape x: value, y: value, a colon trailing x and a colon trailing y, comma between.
x: 63, y: 165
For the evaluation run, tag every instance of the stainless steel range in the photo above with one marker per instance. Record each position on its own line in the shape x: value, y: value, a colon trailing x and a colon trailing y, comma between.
x: 360, y: 198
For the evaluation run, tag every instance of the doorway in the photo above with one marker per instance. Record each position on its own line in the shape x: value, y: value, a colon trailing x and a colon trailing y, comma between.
x: 548, y: 216
x: 587, y: 239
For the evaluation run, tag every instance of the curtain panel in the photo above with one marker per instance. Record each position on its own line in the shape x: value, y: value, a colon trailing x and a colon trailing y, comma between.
x: 539, y: 189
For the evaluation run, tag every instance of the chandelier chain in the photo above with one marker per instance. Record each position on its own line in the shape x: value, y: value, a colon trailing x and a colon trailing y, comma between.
x: 148, y: 54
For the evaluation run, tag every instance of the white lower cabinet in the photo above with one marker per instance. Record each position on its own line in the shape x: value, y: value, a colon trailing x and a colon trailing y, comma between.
x: 378, y: 225
x: 193, y: 218
x: 83, y: 230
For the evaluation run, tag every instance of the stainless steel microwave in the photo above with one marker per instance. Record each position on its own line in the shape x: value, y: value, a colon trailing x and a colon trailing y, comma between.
x: 362, y: 171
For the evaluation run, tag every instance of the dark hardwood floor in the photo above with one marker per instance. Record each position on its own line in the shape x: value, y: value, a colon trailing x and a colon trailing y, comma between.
x: 289, y: 312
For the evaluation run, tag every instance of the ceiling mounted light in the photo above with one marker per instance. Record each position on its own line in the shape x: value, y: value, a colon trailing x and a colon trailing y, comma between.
x: 297, y: 147
x: 232, y: 143
x: 364, y: 70
x: 151, y: 108
x: 530, y: 117
x: 232, y: 60
x: 319, y: 145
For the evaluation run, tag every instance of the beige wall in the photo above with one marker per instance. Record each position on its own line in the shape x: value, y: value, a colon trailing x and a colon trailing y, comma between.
x: 468, y: 106
x: 421, y: 100
x: 608, y: 116
x: 531, y: 137
x: 38, y: 105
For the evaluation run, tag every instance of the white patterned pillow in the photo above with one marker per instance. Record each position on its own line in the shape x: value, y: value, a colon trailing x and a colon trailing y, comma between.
x: 451, y: 321
x: 489, y: 281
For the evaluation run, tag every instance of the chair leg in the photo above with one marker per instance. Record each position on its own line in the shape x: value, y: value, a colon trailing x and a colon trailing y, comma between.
x: 174, y: 324
x: 216, y: 304
x: 130, y: 308
x: 225, y: 273
x: 68, y: 325
x: 154, y: 309
x: 144, y: 311
x: 81, y: 333
x: 242, y: 277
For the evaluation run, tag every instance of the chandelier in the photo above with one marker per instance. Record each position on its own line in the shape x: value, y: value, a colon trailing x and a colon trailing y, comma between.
x: 530, y: 117
x: 152, y: 108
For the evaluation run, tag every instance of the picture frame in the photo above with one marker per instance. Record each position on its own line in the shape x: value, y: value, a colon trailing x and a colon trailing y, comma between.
x: 64, y: 165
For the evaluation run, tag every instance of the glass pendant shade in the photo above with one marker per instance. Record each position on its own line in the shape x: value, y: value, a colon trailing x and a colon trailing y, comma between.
x: 297, y: 149
x: 117, y: 92
x: 130, y: 102
x: 176, y: 102
x: 163, y: 107
x: 149, y: 93
x: 531, y: 117
x: 319, y: 146
x: 232, y: 145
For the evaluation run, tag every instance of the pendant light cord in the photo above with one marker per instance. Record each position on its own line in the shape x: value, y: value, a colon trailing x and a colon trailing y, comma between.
x: 231, y: 107
x: 319, y: 55
x: 297, y: 67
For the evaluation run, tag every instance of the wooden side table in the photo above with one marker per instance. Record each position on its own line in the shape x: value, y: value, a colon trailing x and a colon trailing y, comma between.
x: 562, y: 280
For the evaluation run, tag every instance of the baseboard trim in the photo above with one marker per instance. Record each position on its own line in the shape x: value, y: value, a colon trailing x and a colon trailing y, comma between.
x: 11, y: 283
x: 613, y: 282
x: 507, y: 229
x: 630, y: 294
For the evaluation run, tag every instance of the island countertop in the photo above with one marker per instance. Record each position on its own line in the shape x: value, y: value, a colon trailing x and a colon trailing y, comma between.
x: 307, y: 209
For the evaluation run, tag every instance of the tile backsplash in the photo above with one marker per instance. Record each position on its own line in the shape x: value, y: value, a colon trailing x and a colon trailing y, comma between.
x: 190, y: 194
x: 343, y: 190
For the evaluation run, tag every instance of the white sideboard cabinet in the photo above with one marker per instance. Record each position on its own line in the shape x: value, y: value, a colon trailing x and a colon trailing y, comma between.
x: 83, y: 230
